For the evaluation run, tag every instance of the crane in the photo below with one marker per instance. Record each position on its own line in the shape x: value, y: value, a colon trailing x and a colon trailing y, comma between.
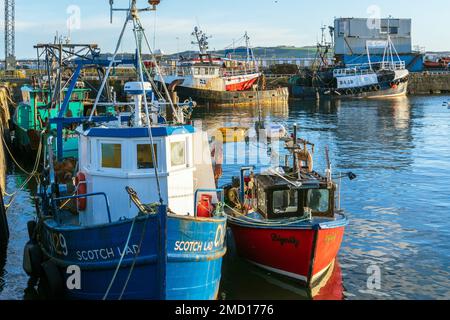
x: 10, y: 36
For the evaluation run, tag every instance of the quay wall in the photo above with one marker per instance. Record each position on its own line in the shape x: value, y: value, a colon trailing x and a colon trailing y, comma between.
x: 429, y: 83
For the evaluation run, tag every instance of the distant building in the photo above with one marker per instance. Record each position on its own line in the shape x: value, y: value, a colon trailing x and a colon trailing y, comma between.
x: 353, y: 36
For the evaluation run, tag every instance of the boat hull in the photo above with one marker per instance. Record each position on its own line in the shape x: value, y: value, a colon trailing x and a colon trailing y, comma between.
x: 246, y: 98
x: 195, y: 248
x: 304, y: 253
x: 385, y: 90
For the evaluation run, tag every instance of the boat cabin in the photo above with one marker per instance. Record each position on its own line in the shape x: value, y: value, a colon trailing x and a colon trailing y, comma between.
x: 276, y: 198
x: 157, y: 162
x: 35, y: 108
x: 114, y: 158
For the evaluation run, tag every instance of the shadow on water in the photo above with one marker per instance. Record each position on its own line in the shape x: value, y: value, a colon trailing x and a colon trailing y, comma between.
x: 243, y: 281
x: 3, y: 252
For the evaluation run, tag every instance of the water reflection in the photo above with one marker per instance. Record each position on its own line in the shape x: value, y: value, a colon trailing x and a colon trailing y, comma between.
x: 244, y: 281
x: 398, y: 207
x: 3, y: 250
x: 214, y: 117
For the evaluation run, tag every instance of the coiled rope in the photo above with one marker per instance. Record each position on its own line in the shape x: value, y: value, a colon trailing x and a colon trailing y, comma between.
x: 240, y: 217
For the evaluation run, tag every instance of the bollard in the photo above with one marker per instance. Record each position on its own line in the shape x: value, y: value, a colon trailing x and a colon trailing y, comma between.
x: 4, y: 230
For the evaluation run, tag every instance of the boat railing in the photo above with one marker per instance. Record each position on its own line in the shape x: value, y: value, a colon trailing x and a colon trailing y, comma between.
x: 75, y: 197
x: 219, y: 191
x: 367, y: 68
x: 353, y: 71
x: 238, y: 71
x: 188, y: 71
x: 393, y: 65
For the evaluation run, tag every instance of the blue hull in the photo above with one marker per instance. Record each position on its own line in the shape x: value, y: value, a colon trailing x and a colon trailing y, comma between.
x: 303, y: 92
x: 191, y: 271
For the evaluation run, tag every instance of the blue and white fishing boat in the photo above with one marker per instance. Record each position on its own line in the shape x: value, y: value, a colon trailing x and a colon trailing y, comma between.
x: 128, y: 226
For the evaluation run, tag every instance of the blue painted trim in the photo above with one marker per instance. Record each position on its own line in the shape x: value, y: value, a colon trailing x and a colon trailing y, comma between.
x: 64, y: 120
x: 59, y: 141
x: 87, y: 196
x: 68, y: 96
x: 104, y: 62
x: 139, y: 132
x: 162, y: 246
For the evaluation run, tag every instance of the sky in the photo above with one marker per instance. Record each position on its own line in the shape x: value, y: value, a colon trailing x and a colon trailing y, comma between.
x: 268, y: 22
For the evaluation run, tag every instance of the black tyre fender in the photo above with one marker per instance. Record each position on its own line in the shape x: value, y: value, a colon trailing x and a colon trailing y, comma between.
x: 31, y: 226
x: 32, y: 259
x: 7, y: 136
x: 51, y: 283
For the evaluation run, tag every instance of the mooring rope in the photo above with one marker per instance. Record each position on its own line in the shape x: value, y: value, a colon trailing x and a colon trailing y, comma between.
x: 261, y: 222
x: 137, y: 253
x: 121, y: 260
x: 31, y: 175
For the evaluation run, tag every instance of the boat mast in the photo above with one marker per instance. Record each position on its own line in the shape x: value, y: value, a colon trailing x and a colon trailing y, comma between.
x: 247, y: 45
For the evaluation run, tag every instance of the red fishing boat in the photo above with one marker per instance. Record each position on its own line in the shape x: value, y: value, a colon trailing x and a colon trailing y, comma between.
x: 285, y: 220
x: 205, y: 72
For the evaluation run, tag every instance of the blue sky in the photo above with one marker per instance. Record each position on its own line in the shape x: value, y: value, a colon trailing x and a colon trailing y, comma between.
x: 268, y: 22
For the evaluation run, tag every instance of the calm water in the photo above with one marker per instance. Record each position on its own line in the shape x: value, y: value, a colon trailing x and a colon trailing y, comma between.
x: 399, y: 206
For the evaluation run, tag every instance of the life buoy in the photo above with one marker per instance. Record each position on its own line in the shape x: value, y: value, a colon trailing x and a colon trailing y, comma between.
x: 377, y: 87
x: 348, y: 92
x: 80, y: 183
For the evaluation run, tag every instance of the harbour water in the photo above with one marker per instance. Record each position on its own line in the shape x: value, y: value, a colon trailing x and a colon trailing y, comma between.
x: 399, y: 206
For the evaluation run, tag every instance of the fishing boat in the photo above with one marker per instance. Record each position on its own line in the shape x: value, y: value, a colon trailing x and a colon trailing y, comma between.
x: 285, y: 220
x: 142, y: 219
x: 59, y: 86
x: 205, y: 72
x: 439, y: 63
x: 218, y: 80
x: 385, y: 79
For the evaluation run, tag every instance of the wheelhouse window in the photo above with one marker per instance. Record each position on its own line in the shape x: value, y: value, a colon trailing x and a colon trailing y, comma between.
x: 145, y: 156
x: 318, y: 200
x: 262, y: 200
x: 112, y: 155
x: 178, y: 153
x: 285, y: 201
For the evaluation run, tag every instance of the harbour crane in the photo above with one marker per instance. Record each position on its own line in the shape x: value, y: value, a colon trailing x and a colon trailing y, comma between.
x: 10, y: 36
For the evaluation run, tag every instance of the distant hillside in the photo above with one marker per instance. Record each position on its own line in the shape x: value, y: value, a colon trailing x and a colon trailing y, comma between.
x: 262, y: 52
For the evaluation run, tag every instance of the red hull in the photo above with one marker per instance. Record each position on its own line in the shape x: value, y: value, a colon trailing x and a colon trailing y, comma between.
x: 242, y: 86
x: 303, y: 254
x: 333, y: 288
